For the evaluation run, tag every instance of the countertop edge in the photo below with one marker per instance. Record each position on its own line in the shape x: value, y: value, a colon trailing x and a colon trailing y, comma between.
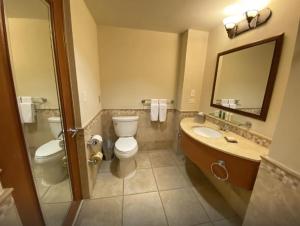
x: 218, y: 148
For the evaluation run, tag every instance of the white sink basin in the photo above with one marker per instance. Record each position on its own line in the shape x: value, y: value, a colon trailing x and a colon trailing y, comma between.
x: 207, y: 132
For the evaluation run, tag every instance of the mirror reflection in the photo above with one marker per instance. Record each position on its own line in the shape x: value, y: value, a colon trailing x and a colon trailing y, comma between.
x: 242, y: 78
x: 33, y: 63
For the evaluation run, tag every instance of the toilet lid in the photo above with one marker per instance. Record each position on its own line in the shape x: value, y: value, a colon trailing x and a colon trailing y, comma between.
x: 50, y: 148
x: 126, y: 144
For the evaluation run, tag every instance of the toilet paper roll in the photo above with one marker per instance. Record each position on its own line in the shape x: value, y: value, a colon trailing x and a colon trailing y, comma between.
x: 95, y: 139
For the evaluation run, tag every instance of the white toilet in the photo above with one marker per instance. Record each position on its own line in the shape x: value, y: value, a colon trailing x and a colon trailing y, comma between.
x: 126, y: 146
x: 50, y: 157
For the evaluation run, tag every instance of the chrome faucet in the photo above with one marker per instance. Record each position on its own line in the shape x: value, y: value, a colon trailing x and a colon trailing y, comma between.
x: 224, y: 127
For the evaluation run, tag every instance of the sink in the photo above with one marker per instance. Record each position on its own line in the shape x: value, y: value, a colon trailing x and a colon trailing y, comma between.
x: 207, y: 132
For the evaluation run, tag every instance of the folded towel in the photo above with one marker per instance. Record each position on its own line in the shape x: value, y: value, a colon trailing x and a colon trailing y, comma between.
x: 27, y: 112
x: 233, y: 106
x: 231, y: 101
x: 225, y: 105
x: 224, y: 101
x: 163, y: 109
x: 154, y: 110
x: 26, y: 99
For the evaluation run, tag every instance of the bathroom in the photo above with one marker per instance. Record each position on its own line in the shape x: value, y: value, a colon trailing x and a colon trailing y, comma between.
x: 126, y: 113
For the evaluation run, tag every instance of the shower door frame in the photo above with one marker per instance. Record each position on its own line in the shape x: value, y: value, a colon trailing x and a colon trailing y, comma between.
x: 13, y: 153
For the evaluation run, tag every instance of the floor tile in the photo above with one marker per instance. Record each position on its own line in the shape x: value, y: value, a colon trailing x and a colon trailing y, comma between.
x: 161, y: 159
x: 182, y: 208
x: 143, y: 160
x: 105, y: 167
x: 107, y: 185
x: 229, y: 222
x: 143, y: 210
x: 179, y: 158
x: 101, y: 212
x: 169, y: 178
x: 40, y: 187
x: 205, y: 224
x: 61, y: 192
x: 142, y: 181
x: 215, y: 205
x: 55, y: 214
x: 193, y: 175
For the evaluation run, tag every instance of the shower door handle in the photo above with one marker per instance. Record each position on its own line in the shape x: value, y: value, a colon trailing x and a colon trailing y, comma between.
x: 73, y: 131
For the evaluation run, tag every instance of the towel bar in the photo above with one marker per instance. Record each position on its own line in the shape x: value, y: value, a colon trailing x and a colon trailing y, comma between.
x: 148, y: 101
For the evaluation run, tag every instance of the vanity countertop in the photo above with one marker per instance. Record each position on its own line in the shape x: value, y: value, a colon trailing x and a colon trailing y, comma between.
x: 245, y: 149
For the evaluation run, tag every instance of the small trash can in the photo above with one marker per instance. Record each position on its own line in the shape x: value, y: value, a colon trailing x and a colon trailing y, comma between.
x: 108, y: 149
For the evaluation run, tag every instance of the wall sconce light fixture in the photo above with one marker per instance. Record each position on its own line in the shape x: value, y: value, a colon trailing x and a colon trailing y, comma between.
x: 251, y: 20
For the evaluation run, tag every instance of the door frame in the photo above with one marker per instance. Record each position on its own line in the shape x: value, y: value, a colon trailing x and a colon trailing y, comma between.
x: 13, y: 153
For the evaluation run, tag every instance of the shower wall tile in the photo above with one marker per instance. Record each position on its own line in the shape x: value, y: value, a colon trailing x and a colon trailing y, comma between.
x: 179, y: 115
x: 39, y: 133
x: 88, y: 171
x: 275, y: 198
x: 150, y: 135
x: 248, y: 134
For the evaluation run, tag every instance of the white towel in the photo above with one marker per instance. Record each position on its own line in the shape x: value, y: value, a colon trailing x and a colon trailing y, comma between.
x: 19, y: 106
x: 231, y: 101
x: 225, y: 105
x: 233, y: 106
x: 26, y: 99
x: 224, y: 101
x: 26, y: 108
x: 163, y: 108
x: 154, y: 110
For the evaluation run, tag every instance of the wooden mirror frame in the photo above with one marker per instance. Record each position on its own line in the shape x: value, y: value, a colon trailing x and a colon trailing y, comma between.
x: 271, y: 80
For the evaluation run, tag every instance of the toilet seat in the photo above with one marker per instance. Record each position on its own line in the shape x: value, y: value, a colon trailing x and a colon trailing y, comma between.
x: 126, y: 147
x: 50, y: 149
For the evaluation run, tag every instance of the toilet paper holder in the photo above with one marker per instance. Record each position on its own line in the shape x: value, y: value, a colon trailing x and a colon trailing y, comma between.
x: 95, y: 158
x: 92, y: 141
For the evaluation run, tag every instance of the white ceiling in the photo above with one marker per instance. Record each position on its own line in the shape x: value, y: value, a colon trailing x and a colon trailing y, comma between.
x: 160, y: 15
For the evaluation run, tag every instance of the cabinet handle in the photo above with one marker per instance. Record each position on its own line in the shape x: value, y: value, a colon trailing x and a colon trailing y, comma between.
x: 221, y: 164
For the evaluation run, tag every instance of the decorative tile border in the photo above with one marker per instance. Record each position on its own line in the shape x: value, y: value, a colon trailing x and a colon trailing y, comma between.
x: 281, y: 173
x: 48, y: 112
x: 93, y: 122
x: 248, y: 134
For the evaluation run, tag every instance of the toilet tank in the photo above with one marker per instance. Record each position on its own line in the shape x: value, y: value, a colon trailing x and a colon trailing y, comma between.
x: 55, y: 126
x: 125, y: 126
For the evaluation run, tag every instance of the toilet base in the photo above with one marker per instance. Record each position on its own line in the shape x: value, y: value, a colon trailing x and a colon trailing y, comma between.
x: 127, y: 167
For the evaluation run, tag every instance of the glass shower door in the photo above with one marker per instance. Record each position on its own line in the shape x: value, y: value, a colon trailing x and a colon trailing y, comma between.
x: 30, y: 41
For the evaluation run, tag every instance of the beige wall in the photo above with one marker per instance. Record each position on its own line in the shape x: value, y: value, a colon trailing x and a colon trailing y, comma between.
x: 243, y: 75
x: 191, y: 72
x: 280, y: 22
x: 85, y: 37
x: 32, y: 59
x: 137, y: 64
x: 286, y: 143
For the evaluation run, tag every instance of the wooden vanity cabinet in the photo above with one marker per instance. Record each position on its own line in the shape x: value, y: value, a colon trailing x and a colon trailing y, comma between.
x: 241, y: 172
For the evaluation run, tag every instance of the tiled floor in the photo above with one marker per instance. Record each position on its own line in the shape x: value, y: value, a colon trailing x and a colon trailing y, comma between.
x: 55, y: 200
x: 166, y: 190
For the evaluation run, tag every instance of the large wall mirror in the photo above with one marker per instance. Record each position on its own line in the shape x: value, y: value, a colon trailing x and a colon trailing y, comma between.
x: 245, y: 77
